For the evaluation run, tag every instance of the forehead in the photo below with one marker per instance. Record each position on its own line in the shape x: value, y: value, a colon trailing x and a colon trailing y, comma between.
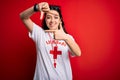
x: 53, y: 12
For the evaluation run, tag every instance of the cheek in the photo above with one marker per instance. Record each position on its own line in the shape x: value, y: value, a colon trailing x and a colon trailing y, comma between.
x: 57, y: 21
x: 47, y: 22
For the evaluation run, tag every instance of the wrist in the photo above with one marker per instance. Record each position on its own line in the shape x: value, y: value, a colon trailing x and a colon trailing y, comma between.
x: 36, y: 8
x: 66, y: 37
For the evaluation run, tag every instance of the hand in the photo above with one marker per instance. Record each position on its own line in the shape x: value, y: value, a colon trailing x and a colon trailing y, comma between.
x: 58, y: 34
x: 43, y: 7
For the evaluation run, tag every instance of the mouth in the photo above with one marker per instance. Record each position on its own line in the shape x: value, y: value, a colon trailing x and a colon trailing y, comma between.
x: 52, y: 24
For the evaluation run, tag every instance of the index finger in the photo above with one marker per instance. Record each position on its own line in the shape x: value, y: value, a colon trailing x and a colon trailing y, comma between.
x: 52, y: 13
x: 41, y: 16
x: 51, y: 31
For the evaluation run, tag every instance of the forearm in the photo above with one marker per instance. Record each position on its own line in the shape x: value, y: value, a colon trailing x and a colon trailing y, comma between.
x: 25, y: 17
x: 73, y: 46
x: 27, y: 13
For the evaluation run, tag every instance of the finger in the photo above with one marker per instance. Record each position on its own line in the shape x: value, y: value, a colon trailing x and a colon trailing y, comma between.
x: 46, y: 10
x: 41, y: 16
x: 52, y: 13
x: 45, y: 7
x: 42, y: 12
x: 50, y: 31
x: 61, y: 27
x: 43, y: 3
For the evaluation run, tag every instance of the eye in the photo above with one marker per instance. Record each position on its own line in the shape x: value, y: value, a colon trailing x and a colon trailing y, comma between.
x: 48, y: 17
x: 56, y: 17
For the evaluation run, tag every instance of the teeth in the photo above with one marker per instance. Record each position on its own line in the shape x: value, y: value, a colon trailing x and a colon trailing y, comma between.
x: 50, y: 24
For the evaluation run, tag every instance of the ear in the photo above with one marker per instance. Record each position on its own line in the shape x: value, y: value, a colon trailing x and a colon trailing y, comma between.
x: 60, y: 21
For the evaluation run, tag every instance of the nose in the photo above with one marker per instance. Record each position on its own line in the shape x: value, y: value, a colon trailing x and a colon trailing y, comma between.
x: 52, y: 19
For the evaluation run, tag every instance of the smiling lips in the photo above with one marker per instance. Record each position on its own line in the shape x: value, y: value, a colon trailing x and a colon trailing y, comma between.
x: 52, y: 24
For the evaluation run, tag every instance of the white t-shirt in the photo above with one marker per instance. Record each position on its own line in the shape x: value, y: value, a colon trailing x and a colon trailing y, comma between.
x: 45, y: 69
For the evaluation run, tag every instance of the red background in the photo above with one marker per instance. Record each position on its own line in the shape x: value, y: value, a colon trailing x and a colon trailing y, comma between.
x: 95, y: 24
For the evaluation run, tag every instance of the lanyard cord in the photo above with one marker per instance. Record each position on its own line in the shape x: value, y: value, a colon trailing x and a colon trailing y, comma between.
x: 52, y: 41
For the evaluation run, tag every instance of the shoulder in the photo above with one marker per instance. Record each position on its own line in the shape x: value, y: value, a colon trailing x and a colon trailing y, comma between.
x: 37, y: 28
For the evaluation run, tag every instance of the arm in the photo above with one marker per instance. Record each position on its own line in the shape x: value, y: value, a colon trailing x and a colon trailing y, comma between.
x: 73, y: 45
x: 25, y: 15
x: 61, y: 35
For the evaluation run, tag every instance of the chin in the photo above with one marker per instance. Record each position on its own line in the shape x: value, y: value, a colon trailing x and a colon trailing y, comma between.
x: 52, y: 28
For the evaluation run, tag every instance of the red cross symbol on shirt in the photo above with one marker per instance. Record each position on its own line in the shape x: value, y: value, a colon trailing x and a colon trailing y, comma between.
x: 55, y: 52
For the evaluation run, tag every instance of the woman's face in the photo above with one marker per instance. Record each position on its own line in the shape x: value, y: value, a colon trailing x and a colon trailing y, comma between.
x: 52, y: 20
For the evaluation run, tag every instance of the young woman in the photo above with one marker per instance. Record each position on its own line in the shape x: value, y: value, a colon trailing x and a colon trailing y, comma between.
x: 52, y: 43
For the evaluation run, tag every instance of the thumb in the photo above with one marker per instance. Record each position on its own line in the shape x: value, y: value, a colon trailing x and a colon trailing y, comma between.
x: 41, y: 16
x: 61, y: 27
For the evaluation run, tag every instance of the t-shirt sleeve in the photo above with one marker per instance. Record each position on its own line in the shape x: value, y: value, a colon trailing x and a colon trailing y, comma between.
x: 36, y: 33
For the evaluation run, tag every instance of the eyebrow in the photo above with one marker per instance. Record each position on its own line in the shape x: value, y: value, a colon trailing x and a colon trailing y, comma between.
x: 53, y: 14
